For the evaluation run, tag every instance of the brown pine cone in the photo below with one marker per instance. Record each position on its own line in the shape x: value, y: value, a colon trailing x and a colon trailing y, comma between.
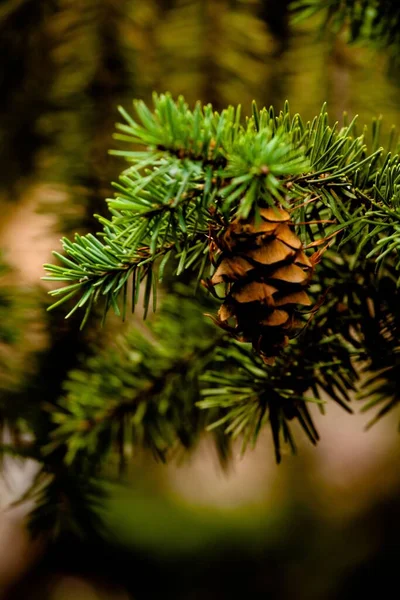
x: 266, y: 273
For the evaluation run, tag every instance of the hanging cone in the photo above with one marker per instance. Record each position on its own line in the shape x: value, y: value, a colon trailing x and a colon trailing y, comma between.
x: 266, y: 273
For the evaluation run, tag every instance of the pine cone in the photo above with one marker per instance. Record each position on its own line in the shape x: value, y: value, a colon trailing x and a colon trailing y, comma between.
x: 266, y: 272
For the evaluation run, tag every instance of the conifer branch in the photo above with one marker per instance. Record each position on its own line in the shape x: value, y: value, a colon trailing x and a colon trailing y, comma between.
x: 365, y: 21
x: 199, y: 170
x: 200, y: 166
x: 143, y: 389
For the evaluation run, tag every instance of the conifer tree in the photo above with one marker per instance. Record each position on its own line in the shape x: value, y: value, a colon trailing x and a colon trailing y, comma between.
x: 267, y: 247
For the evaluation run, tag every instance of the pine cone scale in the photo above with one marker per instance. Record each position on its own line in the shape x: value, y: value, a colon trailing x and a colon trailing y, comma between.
x: 271, y: 253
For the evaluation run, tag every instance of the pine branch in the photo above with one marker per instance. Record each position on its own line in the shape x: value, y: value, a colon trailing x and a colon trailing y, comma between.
x: 170, y: 207
x: 365, y: 21
x: 381, y: 328
x: 140, y: 393
x: 199, y: 166
x: 249, y: 394
x: 66, y: 500
x: 199, y: 170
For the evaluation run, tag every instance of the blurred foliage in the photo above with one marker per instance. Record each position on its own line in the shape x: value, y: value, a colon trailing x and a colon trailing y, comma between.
x: 364, y: 21
x: 18, y: 308
x: 142, y: 386
x: 297, y: 551
x: 65, y: 66
x: 25, y: 73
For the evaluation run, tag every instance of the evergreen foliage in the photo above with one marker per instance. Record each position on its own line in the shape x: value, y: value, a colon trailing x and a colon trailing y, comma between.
x: 25, y: 46
x: 365, y: 21
x: 190, y: 174
x: 9, y: 330
x: 141, y: 392
x: 17, y: 312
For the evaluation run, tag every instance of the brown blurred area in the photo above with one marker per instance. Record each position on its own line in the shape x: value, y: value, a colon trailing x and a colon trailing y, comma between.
x: 323, y: 525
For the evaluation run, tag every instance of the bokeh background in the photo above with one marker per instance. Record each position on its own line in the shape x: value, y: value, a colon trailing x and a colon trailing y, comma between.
x: 324, y: 524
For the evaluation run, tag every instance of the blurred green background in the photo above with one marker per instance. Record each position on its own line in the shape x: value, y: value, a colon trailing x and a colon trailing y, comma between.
x: 323, y: 525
